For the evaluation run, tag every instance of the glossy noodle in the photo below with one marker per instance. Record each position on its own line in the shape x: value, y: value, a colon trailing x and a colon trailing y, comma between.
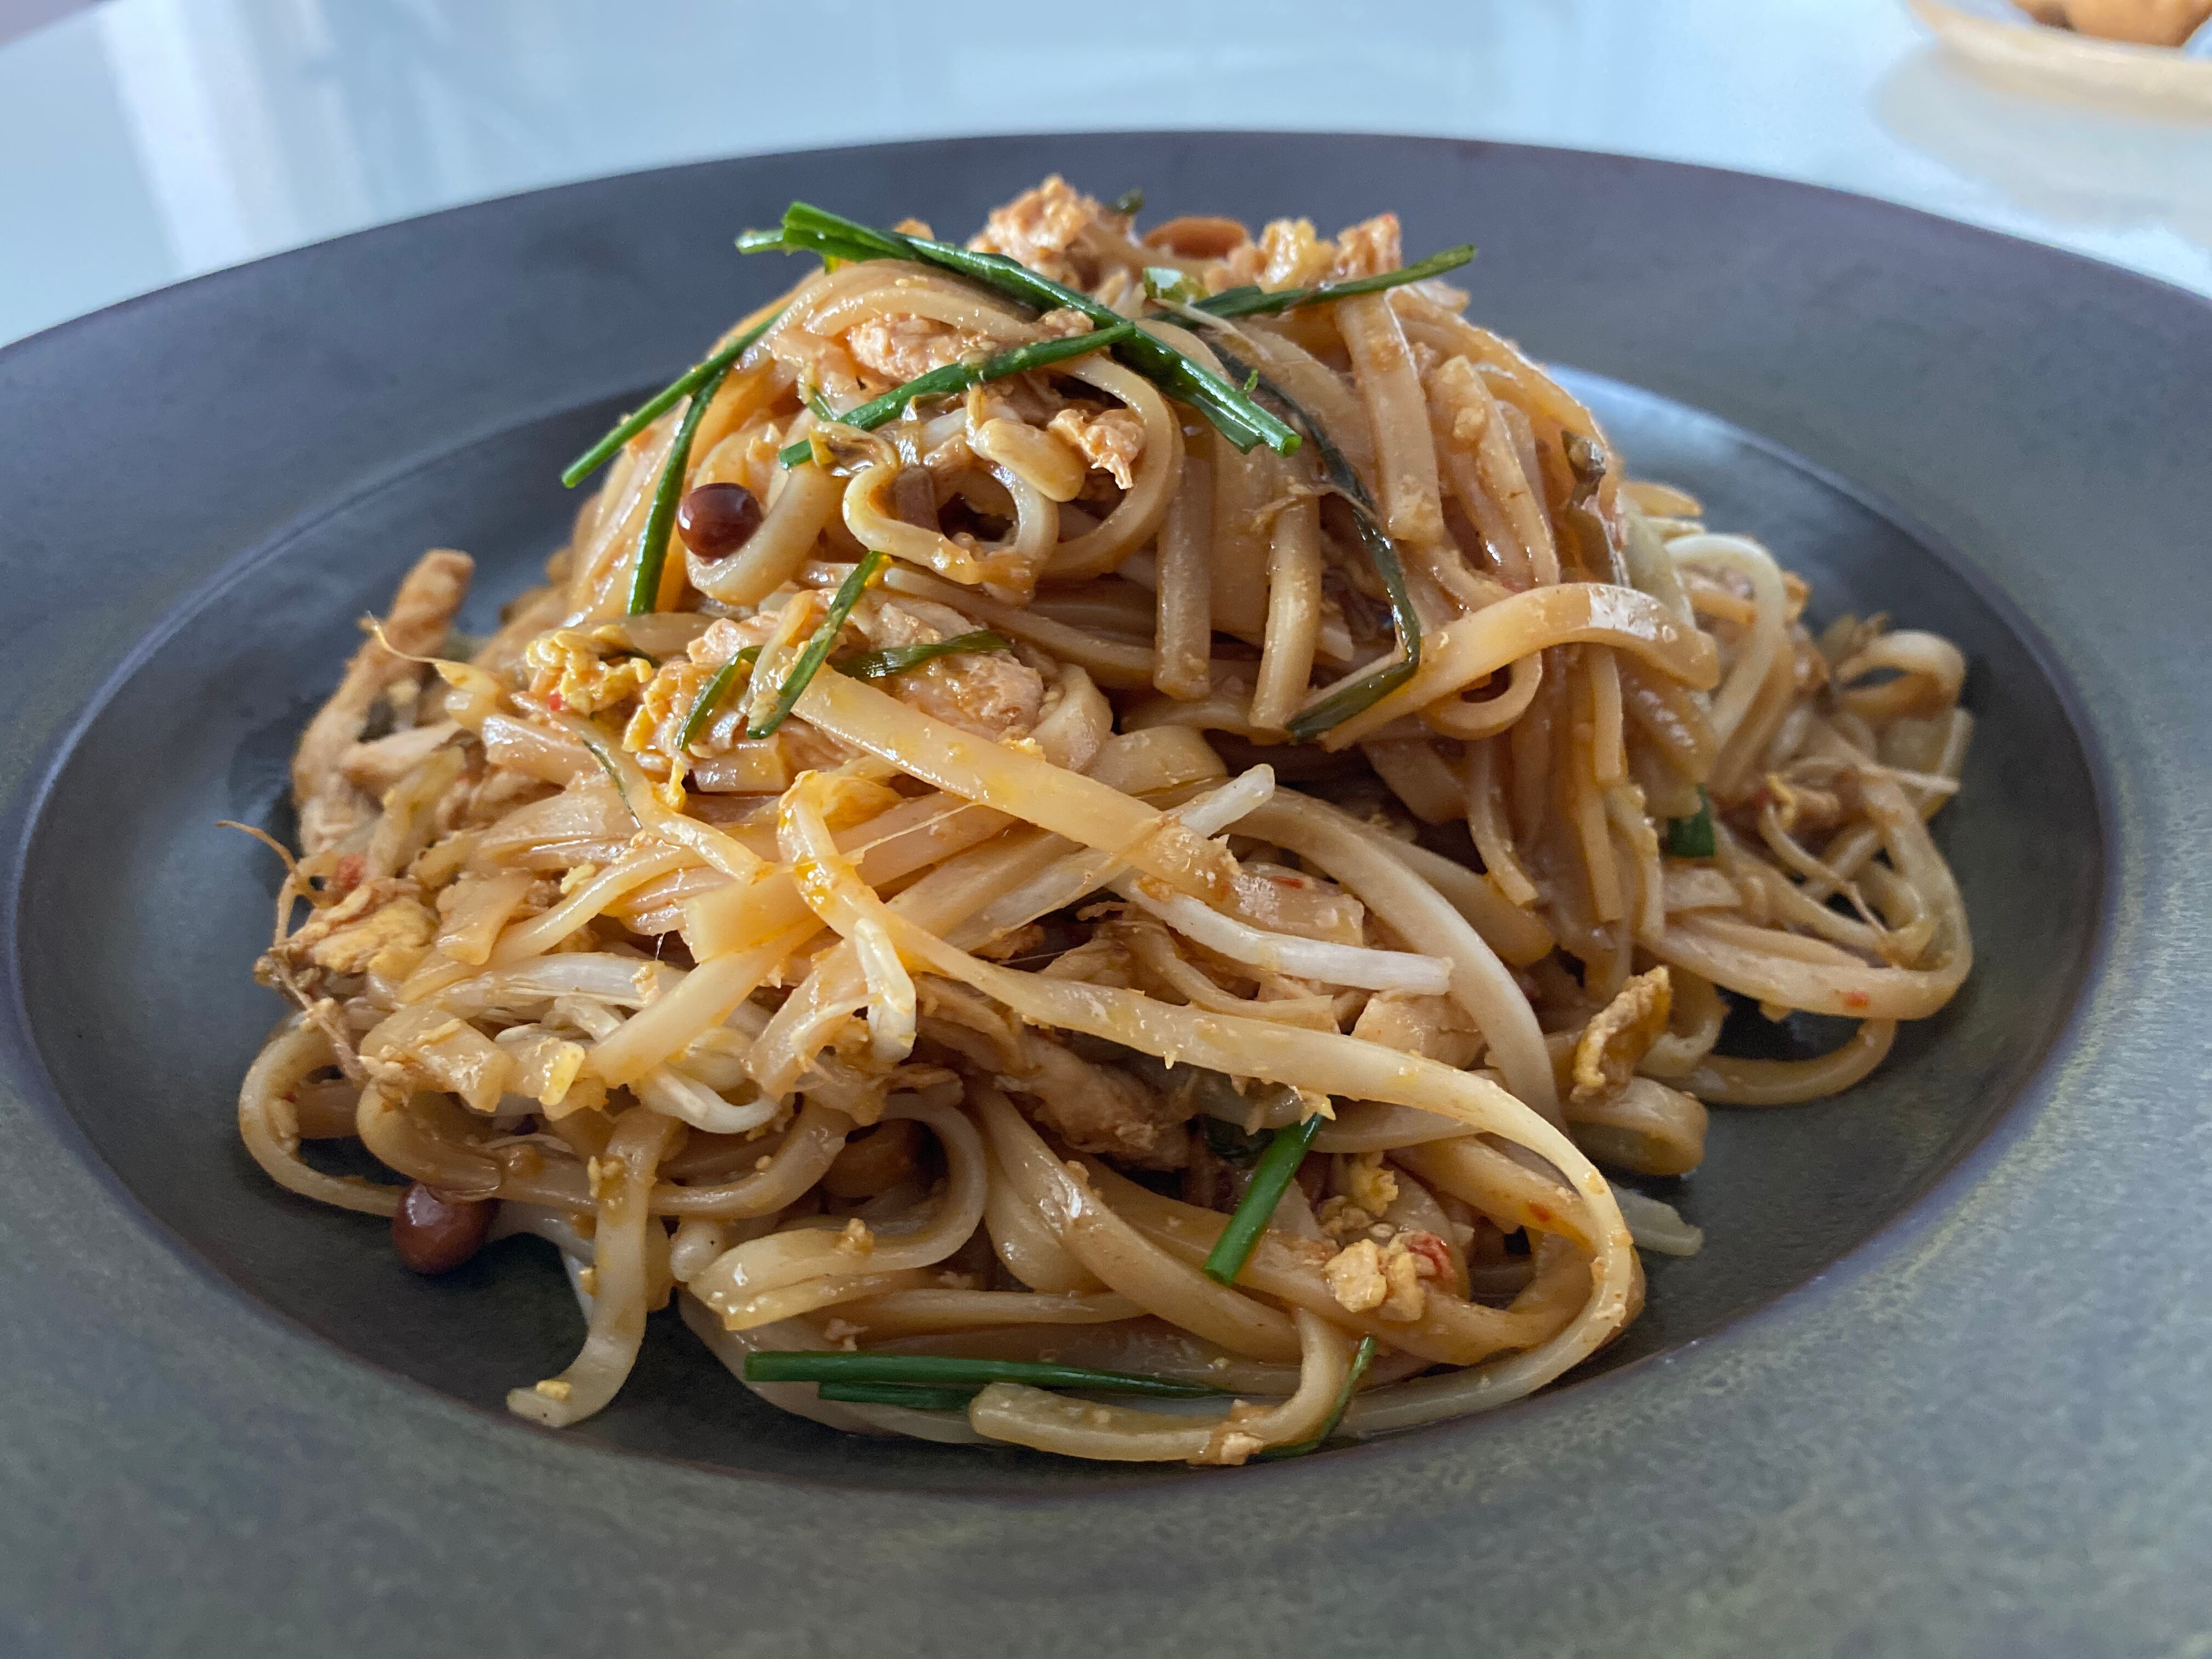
x: 1104, y: 840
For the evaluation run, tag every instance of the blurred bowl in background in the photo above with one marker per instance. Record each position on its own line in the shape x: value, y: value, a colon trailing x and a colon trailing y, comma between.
x: 2003, y: 39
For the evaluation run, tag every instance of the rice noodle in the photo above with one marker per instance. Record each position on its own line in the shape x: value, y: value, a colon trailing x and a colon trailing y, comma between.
x: 732, y: 998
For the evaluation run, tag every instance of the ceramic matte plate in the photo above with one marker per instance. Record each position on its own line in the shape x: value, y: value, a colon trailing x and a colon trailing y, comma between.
x: 1933, y: 1387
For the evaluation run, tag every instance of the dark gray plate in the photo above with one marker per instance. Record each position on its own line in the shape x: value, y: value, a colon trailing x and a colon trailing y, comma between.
x: 1933, y: 1385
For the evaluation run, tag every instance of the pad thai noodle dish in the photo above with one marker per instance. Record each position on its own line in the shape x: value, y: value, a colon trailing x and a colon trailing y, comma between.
x: 1122, y: 841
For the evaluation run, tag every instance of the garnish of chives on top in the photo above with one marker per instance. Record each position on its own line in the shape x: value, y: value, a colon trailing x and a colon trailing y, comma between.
x: 1346, y: 701
x: 652, y: 556
x: 1270, y: 1175
x: 1692, y: 837
x: 808, y: 229
x: 897, y: 658
x: 661, y: 402
x: 711, y: 694
x: 952, y: 379
x: 951, y: 1371
x: 1362, y: 1357
x: 818, y: 643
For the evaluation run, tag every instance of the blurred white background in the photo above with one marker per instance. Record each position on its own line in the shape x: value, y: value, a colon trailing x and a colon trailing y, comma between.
x: 143, y: 140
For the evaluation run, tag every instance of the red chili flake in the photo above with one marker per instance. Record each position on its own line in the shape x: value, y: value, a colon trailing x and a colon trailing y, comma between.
x: 554, y: 703
x: 1540, y: 1212
x: 347, y: 877
x: 1855, y: 999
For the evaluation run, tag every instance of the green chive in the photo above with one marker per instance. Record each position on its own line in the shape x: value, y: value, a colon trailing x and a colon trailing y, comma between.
x: 1692, y: 837
x: 660, y: 522
x: 711, y: 694
x: 909, y: 1395
x: 811, y: 395
x: 660, y: 402
x: 1270, y: 1175
x: 955, y: 378
x: 796, y: 454
x: 817, y: 646
x: 951, y: 1371
x: 1369, y: 689
x: 1249, y: 301
x: 1240, y: 419
x: 897, y: 658
x: 1129, y: 203
x: 1362, y: 1357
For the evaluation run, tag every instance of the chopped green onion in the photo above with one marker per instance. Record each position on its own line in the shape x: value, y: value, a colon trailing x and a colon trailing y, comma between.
x: 660, y: 402
x: 897, y: 658
x: 910, y: 1396
x: 1249, y: 301
x: 1362, y: 1357
x: 1130, y: 201
x: 1270, y: 1175
x: 1166, y: 283
x: 954, y: 378
x: 1240, y: 419
x: 796, y: 454
x: 951, y: 1371
x: 711, y: 694
x: 660, y: 522
x: 1344, y: 702
x: 1692, y: 837
x: 817, y: 645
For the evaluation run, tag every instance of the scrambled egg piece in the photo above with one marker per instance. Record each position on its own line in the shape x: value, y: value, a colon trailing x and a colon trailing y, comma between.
x: 568, y: 672
x: 1370, y: 1186
x: 1611, y: 1044
x: 1385, y: 1280
x: 381, y: 927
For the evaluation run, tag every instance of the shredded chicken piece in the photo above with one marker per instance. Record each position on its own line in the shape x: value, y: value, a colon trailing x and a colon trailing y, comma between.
x: 331, y: 806
x: 898, y: 349
x: 375, y: 767
x: 1110, y: 441
x: 1612, y: 1043
x: 992, y: 693
x: 1369, y: 248
x: 1098, y: 1108
x: 1040, y: 227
